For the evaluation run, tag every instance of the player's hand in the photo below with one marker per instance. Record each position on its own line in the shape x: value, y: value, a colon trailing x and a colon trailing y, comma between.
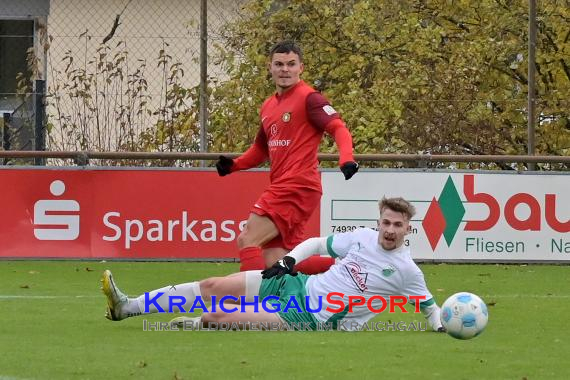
x: 349, y: 169
x: 281, y: 268
x: 224, y: 165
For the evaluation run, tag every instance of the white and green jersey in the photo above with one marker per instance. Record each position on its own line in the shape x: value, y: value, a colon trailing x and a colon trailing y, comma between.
x: 367, y: 270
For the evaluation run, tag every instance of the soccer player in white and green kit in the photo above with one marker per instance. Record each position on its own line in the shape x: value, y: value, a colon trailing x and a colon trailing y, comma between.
x: 373, y: 265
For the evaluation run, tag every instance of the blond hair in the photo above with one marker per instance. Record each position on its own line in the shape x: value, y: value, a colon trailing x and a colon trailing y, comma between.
x: 398, y: 204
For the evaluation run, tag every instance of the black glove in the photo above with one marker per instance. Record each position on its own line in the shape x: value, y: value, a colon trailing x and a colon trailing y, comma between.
x: 349, y: 169
x: 280, y: 268
x: 224, y: 165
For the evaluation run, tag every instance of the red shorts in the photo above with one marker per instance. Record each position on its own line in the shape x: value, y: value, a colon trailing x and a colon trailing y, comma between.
x: 289, y: 209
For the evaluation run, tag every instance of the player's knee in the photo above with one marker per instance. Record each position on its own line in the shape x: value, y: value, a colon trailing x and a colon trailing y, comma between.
x: 209, y: 285
x: 244, y: 241
x: 240, y: 241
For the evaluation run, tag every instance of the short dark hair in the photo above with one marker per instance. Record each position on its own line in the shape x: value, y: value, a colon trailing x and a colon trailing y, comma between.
x: 286, y: 46
x: 398, y: 205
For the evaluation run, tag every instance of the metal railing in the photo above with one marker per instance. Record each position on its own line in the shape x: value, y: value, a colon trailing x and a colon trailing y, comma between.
x: 83, y: 157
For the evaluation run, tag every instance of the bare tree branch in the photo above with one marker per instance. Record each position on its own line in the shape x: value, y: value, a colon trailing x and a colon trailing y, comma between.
x: 116, y: 24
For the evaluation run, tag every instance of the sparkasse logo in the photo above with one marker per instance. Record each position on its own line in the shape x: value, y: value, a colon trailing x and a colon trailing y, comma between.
x: 445, y: 214
x: 56, y: 219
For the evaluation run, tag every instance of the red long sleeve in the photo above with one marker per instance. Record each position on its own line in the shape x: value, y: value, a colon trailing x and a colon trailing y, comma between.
x: 255, y: 155
x: 322, y: 115
x: 343, y: 139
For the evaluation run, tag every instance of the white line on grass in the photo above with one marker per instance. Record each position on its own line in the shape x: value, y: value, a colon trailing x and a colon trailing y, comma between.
x: 9, y: 297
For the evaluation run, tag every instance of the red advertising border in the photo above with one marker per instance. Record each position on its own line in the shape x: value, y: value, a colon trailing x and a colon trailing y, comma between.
x: 127, y: 214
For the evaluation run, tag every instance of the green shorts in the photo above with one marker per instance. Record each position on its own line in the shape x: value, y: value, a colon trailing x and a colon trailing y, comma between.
x: 285, y: 288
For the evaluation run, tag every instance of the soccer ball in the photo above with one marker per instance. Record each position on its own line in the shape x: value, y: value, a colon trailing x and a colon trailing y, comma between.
x: 464, y: 315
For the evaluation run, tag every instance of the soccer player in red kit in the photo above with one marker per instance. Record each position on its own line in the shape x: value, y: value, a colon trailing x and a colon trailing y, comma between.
x: 293, y: 121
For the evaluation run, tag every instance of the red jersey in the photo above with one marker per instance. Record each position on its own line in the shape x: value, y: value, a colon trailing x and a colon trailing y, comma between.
x: 292, y: 126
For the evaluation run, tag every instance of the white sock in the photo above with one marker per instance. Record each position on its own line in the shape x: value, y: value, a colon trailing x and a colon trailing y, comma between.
x: 190, y: 291
x: 432, y: 314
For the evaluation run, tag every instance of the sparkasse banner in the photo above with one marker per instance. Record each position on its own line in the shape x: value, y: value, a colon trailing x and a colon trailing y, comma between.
x: 472, y: 216
x: 126, y: 214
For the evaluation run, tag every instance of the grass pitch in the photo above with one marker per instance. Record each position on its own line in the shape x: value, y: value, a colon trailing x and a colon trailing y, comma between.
x: 52, y: 327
